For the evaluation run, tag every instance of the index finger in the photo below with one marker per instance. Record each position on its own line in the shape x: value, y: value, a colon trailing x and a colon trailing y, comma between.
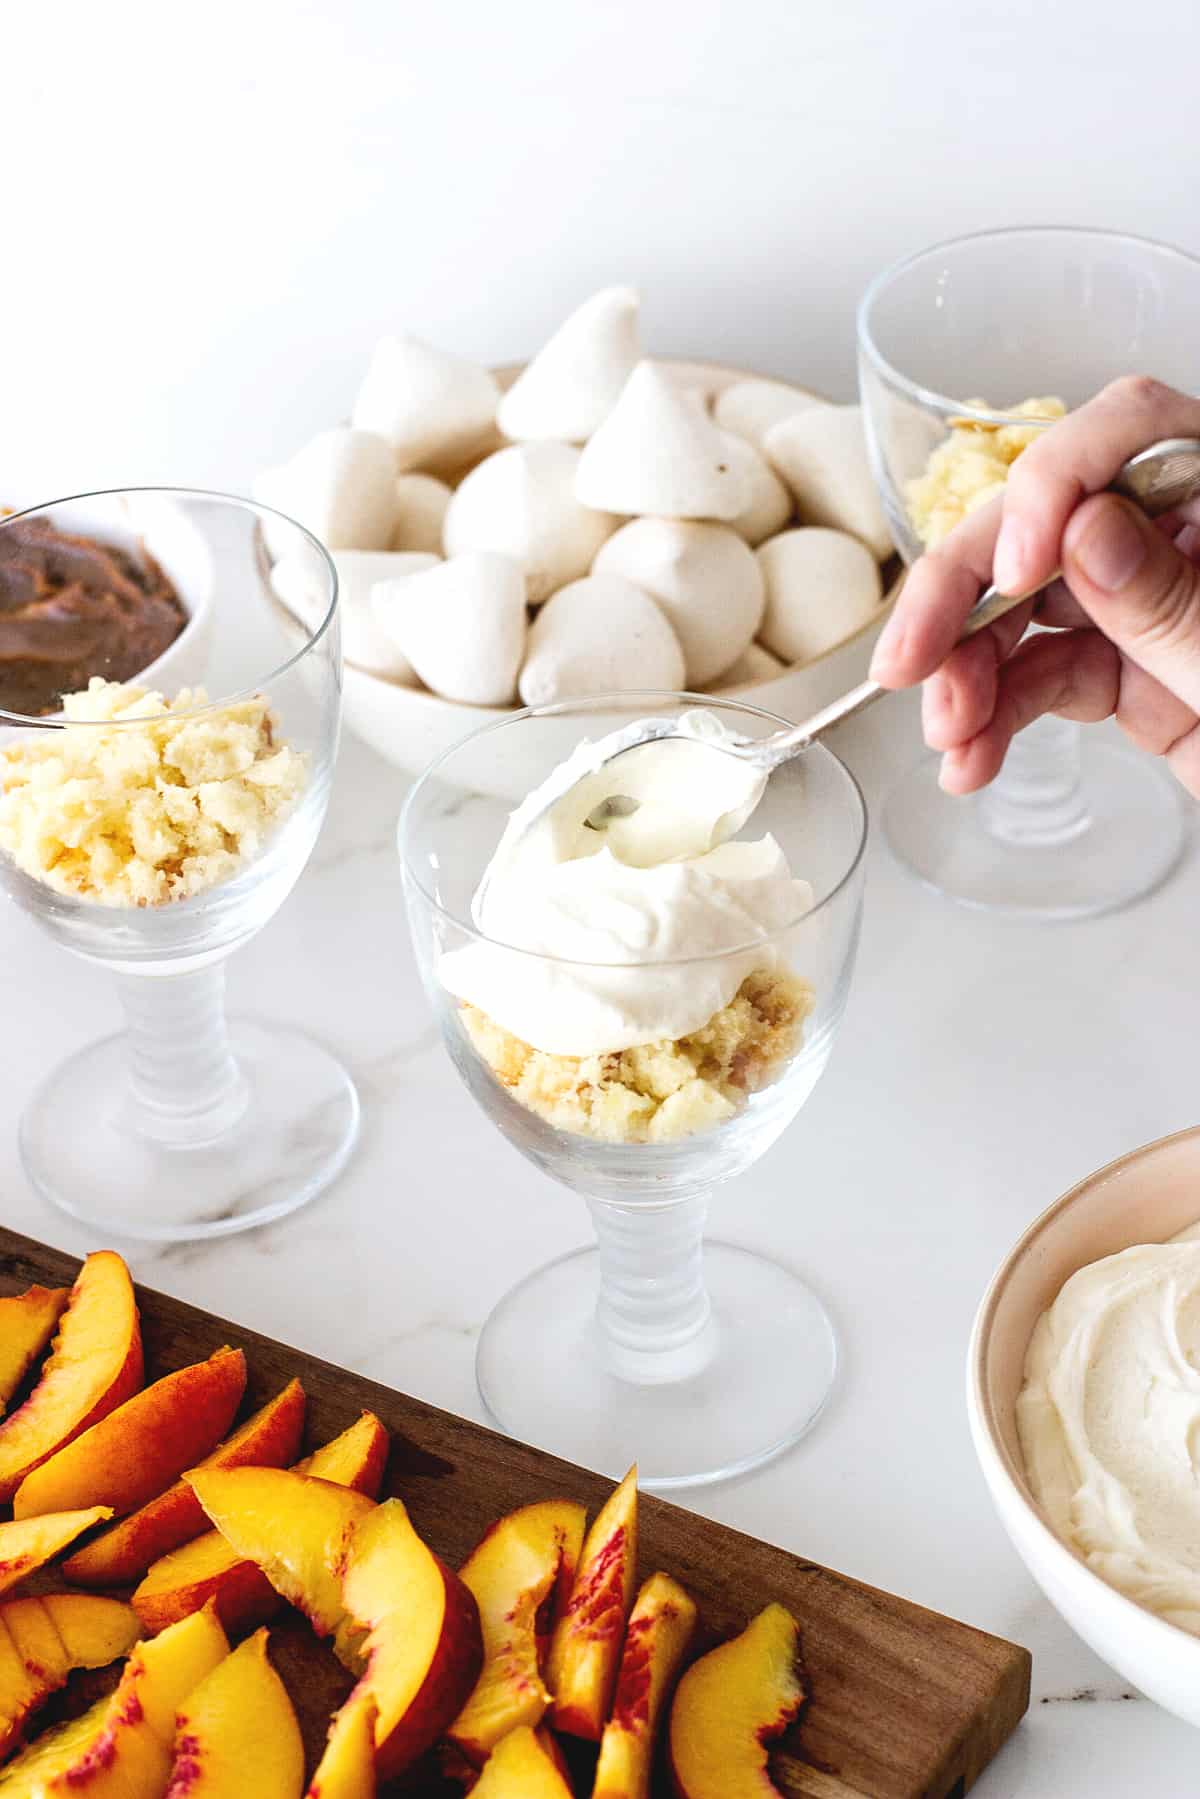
x: 938, y: 592
x: 1076, y: 457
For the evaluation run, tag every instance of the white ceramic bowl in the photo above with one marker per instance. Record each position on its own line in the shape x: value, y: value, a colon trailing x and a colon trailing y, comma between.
x: 1146, y: 1197
x: 410, y: 726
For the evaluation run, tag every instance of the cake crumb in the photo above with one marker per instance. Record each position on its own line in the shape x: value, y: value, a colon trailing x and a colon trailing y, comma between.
x: 656, y: 1092
x: 971, y: 466
x: 139, y: 814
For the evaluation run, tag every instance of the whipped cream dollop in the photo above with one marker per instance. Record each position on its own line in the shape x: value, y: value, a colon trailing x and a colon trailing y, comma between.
x: 632, y: 926
x: 1109, y: 1421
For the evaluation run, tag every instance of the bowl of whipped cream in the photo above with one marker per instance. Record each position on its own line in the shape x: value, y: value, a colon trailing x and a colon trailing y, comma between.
x: 1083, y: 1390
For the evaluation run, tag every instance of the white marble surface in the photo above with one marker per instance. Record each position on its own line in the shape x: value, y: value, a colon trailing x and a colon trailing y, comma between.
x: 983, y: 1067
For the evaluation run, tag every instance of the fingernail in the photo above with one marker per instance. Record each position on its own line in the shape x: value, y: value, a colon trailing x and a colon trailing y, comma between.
x: 1009, y: 560
x: 1112, y: 548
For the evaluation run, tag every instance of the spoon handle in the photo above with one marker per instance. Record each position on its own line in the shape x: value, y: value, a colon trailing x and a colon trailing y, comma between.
x: 987, y: 609
x: 1158, y: 479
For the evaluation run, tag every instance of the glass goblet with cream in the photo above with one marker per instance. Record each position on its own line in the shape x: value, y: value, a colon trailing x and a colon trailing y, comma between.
x: 642, y: 1010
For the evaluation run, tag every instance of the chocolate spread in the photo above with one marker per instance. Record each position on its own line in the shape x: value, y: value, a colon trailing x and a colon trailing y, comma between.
x: 71, y: 608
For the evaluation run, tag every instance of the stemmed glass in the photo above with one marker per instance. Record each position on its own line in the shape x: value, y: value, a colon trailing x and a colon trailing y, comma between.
x: 699, y: 1360
x: 186, y: 1125
x: 1074, y: 824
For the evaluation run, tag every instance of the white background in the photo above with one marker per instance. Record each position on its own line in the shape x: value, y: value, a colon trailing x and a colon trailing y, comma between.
x: 211, y: 211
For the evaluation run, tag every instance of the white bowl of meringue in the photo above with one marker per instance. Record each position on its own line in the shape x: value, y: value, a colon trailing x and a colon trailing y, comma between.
x: 591, y: 521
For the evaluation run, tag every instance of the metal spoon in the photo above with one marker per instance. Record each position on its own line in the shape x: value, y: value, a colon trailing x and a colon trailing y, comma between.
x: 1158, y: 479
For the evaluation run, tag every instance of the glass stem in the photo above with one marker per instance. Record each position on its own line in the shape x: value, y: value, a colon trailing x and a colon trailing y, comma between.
x: 186, y: 1088
x: 653, y: 1310
x: 1038, y: 798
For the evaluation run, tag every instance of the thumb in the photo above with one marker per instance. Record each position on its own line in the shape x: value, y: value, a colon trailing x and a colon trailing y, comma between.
x: 1139, y: 588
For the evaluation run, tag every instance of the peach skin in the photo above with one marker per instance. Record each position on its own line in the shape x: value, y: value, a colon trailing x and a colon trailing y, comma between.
x: 237, y: 1733
x: 526, y: 1764
x: 423, y: 1645
x: 42, y: 1640
x: 729, y: 1705
x: 586, y: 1645
x: 522, y: 1569
x: 134, y: 1453
x: 27, y: 1322
x: 299, y: 1530
x: 121, y: 1555
x: 29, y: 1543
x: 94, y: 1366
x: 347, y: 1768
x: 656, y: 1640
x: 205, y: 1572
x: 122, y: 1747
x: 209, y: 1569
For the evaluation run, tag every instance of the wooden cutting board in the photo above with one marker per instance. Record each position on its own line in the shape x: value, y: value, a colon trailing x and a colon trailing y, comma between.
x: 906, y: 1704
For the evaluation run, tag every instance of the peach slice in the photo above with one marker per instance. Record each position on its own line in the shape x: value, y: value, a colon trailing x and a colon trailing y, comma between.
x: 423, y: 1647
x: 660, y: 1629
x: 27, y: 1322
x: 122, y: 1554
x: 138, y: 1449
x: 730, y: 1705
x: 92, y: 1631
x: 355, y: 1459
x: 41, y: 1640
x: 208, y: 1568
x: 30, y: 1543
x: 526, y: 1764
x: 206, y: 1571
x: 21, y: 1692
x: 121, y: 1748
x: 519, y: 1570
x: 41, y: 1650
x: 586, y: 1645
x: 237, y: 1733
x: 94, y: 1366
x: 347, y: 1768
x: 298, y: 1529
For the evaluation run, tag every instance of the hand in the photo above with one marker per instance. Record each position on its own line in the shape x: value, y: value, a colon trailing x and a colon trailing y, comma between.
x: 1129, y: 600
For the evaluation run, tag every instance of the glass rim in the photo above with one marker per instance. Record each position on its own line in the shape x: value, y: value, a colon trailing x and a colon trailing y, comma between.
x: 56, y: 721
x: 944, y: 403
x: 584, y: 703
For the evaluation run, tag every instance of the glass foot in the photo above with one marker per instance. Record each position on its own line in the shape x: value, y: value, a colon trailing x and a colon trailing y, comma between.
x: 769, y: 1365
x: 1129, y: 838
x: 82, y: 1151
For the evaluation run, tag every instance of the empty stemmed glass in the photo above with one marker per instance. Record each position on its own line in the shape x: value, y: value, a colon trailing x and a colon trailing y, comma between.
x: 699, y: 1360
x: 153, y: 827
x: 1074, y: 824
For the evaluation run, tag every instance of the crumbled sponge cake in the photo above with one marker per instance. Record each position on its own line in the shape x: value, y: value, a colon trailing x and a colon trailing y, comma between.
x: 971, y: 466
x: 657, y: 1092
x: 136, y: 815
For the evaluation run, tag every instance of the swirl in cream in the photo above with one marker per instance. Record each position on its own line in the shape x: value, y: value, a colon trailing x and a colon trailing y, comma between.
x: 634, y: 927
x: 1109, y: 1421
